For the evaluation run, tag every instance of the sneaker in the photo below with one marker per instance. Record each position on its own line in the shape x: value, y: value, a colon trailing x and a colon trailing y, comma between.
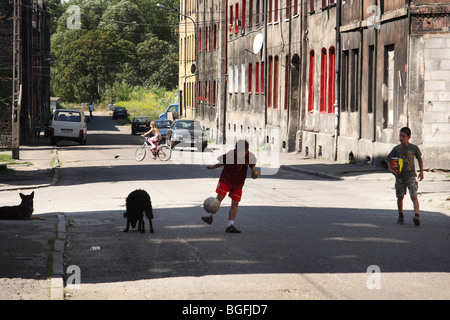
x: 208, y: 220
x: 416, y: 220
x: 232, y: 229
x: 400, y: 220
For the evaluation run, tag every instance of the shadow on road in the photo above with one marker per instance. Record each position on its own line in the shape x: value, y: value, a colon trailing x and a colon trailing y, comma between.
x: 274, y: 240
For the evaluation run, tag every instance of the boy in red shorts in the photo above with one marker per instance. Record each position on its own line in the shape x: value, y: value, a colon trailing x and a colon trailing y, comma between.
x: 235, y: 164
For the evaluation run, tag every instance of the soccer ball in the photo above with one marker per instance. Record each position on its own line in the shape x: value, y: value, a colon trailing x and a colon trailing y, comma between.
x: 211, y: 205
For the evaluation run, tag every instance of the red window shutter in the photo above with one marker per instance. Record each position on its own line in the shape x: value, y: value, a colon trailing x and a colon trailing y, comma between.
x: 323, y: 81
x: 257, y: 78
x: 243, y: 13
x: 261, y: 87
x: 331, y: 79
x: 250, y: 74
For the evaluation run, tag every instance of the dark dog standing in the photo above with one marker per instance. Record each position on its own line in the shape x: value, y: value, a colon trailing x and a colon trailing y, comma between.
x: 24, y: 211
x: 137, y: 203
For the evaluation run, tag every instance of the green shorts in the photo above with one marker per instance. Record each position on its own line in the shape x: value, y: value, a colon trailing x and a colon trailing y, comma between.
x: 402, y: 184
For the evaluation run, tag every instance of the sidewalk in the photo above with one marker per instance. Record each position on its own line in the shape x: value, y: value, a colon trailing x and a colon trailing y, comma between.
x: 345, y: 171
x: 35, y: 168
x: 38, y: 164
x: 31, y: 252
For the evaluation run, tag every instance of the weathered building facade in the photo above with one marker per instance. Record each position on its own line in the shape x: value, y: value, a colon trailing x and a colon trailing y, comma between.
x: 331, y: 79
x: 24, y: 66
x: 187, y: 61
x: 392, y: 72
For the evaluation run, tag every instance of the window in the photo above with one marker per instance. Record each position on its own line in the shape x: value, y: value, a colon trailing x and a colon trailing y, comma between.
x: 215, y: 37
x: 295, y: 7
x: 261, y: 86
x: 230, y: 79
x: 231, y: 20
x: 324, y: 3
x: 206, y: 96
x: 286, y: 82
x: 236, y: 19
x: 331, y: 79
x: 370, y: 80
x: 242, y: 78
x: 354, y: 80
x: 388, y: 86
x: 269, y: 11
x: 258, y: 6
x: 344, y: 80
x: 275, y: 82
x: 206, y: 39
x: 311, y: 6
x: 257, y: 77
x: 214, y: 92
x: 250, y: 13
x: 244, y: 4
x: 250, y: 71
x: 236, y: 79
x: 311, y: 82
x: 323, y: 81
x: 269, y: 82
x: 275, y: 11
x: 288, y: 9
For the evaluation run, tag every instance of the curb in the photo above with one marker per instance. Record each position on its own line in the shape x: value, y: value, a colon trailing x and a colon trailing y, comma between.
x: 57, y: 279
x: 312, y: 173
x: 55, y: 177
x: 334, y: 176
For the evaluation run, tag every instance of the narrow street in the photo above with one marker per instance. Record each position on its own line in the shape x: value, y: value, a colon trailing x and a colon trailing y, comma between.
x: 303, y: 237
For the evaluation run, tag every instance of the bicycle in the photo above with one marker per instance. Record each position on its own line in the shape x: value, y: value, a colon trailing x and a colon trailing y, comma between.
x: 162, y: 151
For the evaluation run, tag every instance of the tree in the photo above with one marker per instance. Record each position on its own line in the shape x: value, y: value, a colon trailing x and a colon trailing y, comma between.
x: 88, y: 64
x: 157, y: 64
x: 124, y: 20
x: 103, y: 50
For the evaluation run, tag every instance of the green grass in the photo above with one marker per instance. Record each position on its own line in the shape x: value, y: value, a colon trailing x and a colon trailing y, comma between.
x: 8, y: 160
x: 5, y: 158
x: 148, y: 106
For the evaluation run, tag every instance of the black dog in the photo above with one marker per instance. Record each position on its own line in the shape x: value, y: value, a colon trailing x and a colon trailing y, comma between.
x: 137, y: 202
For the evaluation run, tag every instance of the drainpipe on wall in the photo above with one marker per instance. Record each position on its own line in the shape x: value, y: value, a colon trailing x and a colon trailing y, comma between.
x: 361, y: 47
x: 374, y: 81
x: 288, y: 97
x: 408, y: 60
x: 338, y: 77
x: 265, y: 64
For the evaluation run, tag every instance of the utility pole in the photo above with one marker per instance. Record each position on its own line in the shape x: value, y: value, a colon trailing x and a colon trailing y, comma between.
x: 17, y: 78
x: 223, y: 73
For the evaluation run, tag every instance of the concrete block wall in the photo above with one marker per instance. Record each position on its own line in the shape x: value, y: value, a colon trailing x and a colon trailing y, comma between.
x: 436, y: 116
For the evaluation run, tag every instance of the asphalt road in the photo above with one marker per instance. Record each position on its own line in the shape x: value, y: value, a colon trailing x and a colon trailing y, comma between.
x: 303, y: 237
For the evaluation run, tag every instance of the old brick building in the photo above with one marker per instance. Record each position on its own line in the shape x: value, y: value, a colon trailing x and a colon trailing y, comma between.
x: 332, y: 79
x: 27, y: 66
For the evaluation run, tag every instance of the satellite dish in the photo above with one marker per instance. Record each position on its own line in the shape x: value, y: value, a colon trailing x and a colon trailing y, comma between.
x: 257, y: 43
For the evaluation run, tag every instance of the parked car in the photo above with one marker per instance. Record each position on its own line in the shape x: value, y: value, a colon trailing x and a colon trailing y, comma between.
x: 140, y: 124
x: 187, y: 133
x: 171, y: 113
x: 120, y: 112
x: 163, y: 126
x: 68, y: 125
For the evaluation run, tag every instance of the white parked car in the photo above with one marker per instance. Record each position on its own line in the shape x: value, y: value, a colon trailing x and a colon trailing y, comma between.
x: 68, y: 125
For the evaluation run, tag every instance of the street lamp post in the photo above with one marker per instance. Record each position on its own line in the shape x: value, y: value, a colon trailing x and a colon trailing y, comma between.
x: 193, y: 68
